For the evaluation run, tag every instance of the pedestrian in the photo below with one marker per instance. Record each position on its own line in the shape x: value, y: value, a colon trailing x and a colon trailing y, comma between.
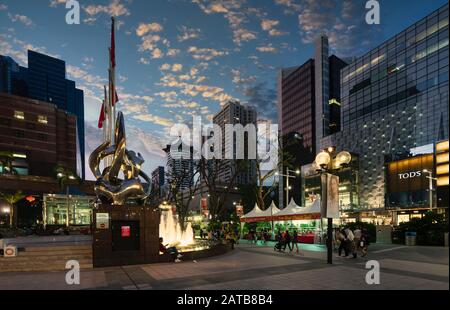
x: 295, y: 240
x: 365, y: 242
x: 351, y: 242
x: 287, y: 241
x: 343, y: 245
x: 357, y: 240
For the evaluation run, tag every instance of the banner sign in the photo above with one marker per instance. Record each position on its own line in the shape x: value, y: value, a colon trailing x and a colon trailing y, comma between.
x: 330, y: 196
x: 102, y: 220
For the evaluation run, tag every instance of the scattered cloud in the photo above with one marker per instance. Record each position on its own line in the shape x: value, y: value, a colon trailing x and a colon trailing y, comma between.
x: 146, y: 28
x: 205, y: 54
x: 25, y: 20
x: 267, y: 49
x: 187, y: 33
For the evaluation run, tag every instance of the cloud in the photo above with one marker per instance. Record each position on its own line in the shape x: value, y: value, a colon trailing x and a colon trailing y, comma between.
x: 205, y: 54
x: 235, y: 13
x: 267, y: 24
x: 264, y: 99
x: 3, y: 7
x: 188, y: 34
x: 267, y: 49
x: 342, y: 21
x: 115, y: 8
x: 146, y: 28
x: 21, y: 19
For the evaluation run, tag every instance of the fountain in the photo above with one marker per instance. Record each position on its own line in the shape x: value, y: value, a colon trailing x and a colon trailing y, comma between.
x: 170, y: 230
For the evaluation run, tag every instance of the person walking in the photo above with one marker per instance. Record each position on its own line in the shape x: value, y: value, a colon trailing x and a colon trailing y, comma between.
x: 357, y: 240
x: 343, y: 245
x: 351, y: 242
x: 295, y: 240
x: 287, y: 241
x: 365, y: 241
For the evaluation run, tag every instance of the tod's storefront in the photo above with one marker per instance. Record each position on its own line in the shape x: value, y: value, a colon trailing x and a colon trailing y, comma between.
x: 408, y: 183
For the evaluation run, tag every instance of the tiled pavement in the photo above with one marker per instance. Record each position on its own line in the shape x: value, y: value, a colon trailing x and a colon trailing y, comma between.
x: 254, y: 268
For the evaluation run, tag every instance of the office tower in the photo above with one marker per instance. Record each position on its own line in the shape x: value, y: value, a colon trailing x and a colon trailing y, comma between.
x: 45, y: 80
x: 233, y: 113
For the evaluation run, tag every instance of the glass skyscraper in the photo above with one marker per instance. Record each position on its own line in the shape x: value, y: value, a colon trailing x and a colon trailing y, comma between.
x: 394, y: 99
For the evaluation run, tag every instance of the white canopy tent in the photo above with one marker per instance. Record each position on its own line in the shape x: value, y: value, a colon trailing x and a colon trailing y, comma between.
x: 295, y: 212
x: 271, y: 211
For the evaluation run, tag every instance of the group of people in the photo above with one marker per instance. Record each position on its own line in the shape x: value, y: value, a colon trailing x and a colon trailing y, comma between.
x: 286, y: 240
x: 263, y: 236
x: 351, y: 242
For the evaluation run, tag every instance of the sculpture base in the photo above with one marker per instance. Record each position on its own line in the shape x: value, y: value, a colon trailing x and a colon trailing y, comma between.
x: 125, y: 235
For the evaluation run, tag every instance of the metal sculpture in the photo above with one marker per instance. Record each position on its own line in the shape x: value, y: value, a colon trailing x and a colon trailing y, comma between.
x: 109, y: 187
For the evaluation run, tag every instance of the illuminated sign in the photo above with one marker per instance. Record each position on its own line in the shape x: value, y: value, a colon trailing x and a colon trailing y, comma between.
x: 410, y: 175
x: 126, y: 232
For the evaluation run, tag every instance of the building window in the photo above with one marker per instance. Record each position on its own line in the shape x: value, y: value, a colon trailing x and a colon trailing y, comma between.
x: 42, y: 137
x: 19, y: 115
x: 42, y: 119
x: 5, y: 122
x: 19, y: 134
x: 31, y: 126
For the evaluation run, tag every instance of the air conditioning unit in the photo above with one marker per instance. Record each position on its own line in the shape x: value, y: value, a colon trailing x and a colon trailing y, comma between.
x: 10, y: 251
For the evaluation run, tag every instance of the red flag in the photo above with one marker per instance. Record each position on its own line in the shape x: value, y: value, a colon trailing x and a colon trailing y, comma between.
x: 112, y: 51
x: 101, y: 119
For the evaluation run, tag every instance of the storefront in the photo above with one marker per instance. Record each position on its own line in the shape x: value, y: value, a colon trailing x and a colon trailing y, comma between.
x: 62, y: 210
x: 408, y: 193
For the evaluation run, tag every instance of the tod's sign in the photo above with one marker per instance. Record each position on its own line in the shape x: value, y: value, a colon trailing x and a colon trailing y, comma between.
x: 410, y: 175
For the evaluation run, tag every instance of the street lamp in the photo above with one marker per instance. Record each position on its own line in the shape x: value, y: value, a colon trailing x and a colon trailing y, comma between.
x: 289, y: 175
x: 431, y: 179
x: 326, y: 163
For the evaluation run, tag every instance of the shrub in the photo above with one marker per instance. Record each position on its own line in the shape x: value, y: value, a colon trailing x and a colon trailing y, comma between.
x: 430, y: 229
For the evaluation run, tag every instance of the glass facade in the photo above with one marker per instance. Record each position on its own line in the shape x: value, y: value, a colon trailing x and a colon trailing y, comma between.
x: 68, y: 210
x: 395, y: 98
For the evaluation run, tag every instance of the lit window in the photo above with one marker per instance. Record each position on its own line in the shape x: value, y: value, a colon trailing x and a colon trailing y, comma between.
x: 42, y: 119
x: 19, y: 115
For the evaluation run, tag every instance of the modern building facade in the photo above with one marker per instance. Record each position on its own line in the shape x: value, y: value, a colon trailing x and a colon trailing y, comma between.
x: 308, y: 109
x: 38, y: 134
x: 233, y: 113
x: 180, y: 165
x: 394, y: 102
x: 45, y: 80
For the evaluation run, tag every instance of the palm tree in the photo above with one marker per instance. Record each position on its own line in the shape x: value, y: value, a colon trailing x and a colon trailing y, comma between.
x: 6, y: 161
x: 11, y: 200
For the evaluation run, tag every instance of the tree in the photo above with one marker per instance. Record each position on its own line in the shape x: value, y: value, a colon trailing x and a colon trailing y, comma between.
x: 285, y: 159
x: 11, y: 200
x: 6, y: 161
x: 64, y: 176
x: 219, y: 190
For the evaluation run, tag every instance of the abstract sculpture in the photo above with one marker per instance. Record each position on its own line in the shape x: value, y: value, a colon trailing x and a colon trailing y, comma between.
x: 110, y: 188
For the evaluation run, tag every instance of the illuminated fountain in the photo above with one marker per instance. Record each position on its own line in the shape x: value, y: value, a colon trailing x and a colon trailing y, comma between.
x: 170, y: 230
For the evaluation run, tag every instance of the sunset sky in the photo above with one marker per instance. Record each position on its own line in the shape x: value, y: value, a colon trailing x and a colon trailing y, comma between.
x: 179, y: 58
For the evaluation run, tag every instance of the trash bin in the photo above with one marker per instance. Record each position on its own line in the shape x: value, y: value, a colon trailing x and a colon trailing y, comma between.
x: 411, y: 238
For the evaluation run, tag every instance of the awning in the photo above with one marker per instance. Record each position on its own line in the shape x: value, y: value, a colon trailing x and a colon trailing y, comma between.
x: 257, y: 215
x: 293, y: 212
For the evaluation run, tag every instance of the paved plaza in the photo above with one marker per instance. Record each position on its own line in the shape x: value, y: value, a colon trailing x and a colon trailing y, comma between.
x: 251, y: 267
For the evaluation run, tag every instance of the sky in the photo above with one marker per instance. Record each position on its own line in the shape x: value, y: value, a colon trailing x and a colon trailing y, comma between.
x: 180, y: 58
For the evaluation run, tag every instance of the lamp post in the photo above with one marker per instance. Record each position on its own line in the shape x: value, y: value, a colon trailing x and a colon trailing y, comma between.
x: 288, y: 176
x: 326, y: 163
x: 431, y: 179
